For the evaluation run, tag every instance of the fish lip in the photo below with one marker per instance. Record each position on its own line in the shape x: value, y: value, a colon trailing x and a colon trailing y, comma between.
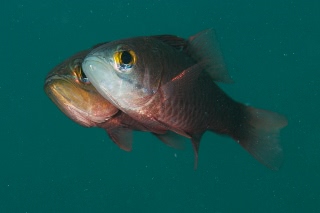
x: 63, y: 104
x: 74, y: 113
x: 52, y: 77
x: 91, y: 64
x: 96, y: 58
x: 71, y: 111
x: 99, y: 61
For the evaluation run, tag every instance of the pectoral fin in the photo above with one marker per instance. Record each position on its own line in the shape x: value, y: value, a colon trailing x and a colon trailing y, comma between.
x: 181, y: 84
x: 122, y: 137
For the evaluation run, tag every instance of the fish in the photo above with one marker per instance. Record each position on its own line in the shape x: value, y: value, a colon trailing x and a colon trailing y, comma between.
x: 71, y: 91
x: 171, y: 83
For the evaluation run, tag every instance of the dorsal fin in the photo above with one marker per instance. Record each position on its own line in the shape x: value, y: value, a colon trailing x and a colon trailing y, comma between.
x: 204, y: 47
x: 174, y: 41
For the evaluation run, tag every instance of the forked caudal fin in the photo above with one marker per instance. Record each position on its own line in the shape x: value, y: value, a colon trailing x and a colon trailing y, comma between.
x: 260, y: 136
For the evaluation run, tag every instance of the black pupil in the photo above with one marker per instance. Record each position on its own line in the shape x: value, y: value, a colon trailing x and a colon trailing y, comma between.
x: 82, y: 74
x: 126, y: 57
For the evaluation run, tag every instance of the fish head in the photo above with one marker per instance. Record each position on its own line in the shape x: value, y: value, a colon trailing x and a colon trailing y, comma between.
x: 126, y: 72
x: 69, y: 88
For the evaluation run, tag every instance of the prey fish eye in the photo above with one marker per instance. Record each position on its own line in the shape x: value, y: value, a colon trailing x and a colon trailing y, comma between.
x: 125, y: 59
x: 81, y: 75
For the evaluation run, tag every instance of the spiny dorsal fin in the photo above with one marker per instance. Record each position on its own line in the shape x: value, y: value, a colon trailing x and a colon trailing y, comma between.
x: 174, y: 41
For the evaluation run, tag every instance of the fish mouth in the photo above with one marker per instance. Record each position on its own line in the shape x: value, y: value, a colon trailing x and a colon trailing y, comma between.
x: 73, y: 102
x: 51, y: 77
x: 61, y: 98
x: 93, y: 63
x: 94, y: 67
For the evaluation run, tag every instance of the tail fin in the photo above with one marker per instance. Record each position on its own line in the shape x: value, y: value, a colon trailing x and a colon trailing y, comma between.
x: 260, y: 136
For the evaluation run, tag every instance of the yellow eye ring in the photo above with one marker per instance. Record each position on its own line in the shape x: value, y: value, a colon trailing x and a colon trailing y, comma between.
x: 124, y: 60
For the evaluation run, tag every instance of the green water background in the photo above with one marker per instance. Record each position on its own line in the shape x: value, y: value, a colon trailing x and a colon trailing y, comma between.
x: 50, y: 164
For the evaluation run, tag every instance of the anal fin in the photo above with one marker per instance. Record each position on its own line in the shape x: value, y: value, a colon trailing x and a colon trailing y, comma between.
x: 172, y: 139
x: 196, y: 144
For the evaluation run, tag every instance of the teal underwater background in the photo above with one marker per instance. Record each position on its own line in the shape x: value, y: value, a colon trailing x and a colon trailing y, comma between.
x: 48, y: 163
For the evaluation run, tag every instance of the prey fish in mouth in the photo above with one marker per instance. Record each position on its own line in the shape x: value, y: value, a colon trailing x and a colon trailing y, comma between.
x: 69, y: 88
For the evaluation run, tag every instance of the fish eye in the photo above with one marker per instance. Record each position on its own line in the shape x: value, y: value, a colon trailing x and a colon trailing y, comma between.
x: 125, y: 59
x: 81, y: 75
